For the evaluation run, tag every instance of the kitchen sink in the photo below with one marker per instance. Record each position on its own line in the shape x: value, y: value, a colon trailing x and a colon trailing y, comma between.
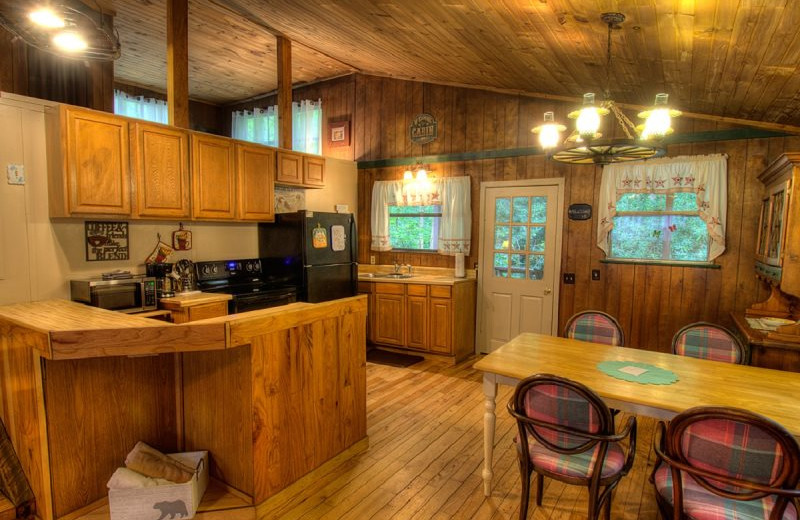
x: 392, y: 275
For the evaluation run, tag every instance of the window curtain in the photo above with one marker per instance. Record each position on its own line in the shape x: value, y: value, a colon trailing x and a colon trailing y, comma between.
x: 307, y: 126
x: 149, y: 109
x: 452, y: 193
x: 704, y: 175
x: 257, y: 126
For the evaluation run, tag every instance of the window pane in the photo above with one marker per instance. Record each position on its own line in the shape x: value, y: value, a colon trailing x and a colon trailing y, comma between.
x: 689, y: 239
x: 638, y: 237
x: 501, y: 265
x: 684, y: 202
x: 518, y: 266
x: 538, y: 210
x: 537, y: 239
x: 536, y: 270
x: 642, y: 202
x: 400, y: 210
x: 502, y: 210
x: 501, y: 237
x: 518, y: 238
x: 520, y: 209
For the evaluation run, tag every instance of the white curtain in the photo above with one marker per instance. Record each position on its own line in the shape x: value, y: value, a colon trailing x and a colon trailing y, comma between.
x: 704, y: 175
x: 258, y: 126
x: 307, y: 126
x: 149, y: 109
x: 451, y: 193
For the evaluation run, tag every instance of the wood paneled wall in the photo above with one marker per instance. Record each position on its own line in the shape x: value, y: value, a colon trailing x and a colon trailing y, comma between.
x: 651, y: 302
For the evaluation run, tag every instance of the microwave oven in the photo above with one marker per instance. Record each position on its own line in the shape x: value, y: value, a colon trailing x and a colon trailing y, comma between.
x: 134, y: 294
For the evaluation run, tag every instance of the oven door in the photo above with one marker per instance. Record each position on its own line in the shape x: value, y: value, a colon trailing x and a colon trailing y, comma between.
x: 255, y: 301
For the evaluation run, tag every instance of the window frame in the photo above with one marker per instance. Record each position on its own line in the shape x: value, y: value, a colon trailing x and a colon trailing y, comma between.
x: 437, y: 220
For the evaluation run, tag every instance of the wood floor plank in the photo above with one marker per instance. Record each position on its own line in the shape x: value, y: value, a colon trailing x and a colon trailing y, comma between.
x: 425, y: 456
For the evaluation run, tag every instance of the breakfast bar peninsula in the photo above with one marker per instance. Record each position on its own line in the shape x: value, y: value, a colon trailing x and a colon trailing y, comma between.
x: 271, y: 394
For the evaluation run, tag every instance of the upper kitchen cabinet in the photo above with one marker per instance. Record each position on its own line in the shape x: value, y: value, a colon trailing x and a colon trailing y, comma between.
x: 299, y: 169
x: 255, y: 171
x: 161, y: 167
x: 213, y: 177
x: 89, y: 166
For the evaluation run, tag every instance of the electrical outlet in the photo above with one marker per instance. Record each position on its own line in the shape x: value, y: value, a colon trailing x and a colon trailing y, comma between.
x: 595, y: 274
x: 569, y: 278
x: 372, y: 259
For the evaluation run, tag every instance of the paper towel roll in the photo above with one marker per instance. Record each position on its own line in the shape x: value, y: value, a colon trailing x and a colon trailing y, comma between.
x: 460, y: 266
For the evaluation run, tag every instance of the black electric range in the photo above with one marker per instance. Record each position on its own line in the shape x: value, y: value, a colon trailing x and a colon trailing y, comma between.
x: 250, y: 287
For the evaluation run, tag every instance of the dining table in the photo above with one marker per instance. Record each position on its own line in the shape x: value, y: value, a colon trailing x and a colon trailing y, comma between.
x: 699, y: 382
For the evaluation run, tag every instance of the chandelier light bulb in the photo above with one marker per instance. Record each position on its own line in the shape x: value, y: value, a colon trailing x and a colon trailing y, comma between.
x: 70, y: 41
x: 549, y: 132
x: 422, y: 175
x: 658, y: 124
x: 588, y: 118
x: 408, y: 175
x: 47, y: 18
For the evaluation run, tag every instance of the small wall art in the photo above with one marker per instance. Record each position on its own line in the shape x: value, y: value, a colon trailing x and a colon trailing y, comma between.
x: 106, y: 241
x: 339, y: 133
x: 288, y: 200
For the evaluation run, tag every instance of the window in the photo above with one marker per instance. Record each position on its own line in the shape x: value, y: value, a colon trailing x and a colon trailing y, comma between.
x: 519, y: 237
x: 415, y: 228
x: 659, y: 226
x: 149, y: 109
x: 261, y: 126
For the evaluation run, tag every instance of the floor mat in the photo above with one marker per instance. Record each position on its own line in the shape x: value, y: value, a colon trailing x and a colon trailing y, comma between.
x: 384, y: 357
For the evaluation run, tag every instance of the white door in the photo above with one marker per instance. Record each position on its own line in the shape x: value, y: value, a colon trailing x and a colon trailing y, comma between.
x: 520, y: 255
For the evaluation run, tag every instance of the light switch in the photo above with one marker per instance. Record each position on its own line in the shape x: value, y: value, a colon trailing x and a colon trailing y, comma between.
x: 15, y: 173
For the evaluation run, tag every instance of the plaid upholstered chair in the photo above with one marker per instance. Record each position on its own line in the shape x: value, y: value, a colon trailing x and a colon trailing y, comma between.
x: 728, y: 464
x: 708, y: 341
x: 566, y: 433
x: 595, y: 326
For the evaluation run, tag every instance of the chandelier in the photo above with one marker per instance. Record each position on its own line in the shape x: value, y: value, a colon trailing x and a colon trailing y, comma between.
x: 586, y: 145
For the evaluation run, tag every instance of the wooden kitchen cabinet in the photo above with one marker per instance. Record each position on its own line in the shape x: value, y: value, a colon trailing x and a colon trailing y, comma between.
x: 196, y: 306
x: 255, y: 176
x: 390, y: 314
x: 213, y: 177
x: 441, y: 325
x: 313, y: 171
x: 89, y: 163
x: 366, y: 288
x: 160, y: 157
x: 299, y: 169
x: 417, y: 316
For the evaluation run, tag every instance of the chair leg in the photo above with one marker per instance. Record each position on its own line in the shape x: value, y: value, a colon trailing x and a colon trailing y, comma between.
x: 608, y: 508
x: 539, y: 488
x: 525, y: 494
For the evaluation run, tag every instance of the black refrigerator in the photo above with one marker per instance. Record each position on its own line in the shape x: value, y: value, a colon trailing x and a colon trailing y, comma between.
x: 314, y: 251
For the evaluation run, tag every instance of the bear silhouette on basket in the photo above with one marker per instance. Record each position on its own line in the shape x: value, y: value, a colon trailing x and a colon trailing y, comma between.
x: 171, y: 509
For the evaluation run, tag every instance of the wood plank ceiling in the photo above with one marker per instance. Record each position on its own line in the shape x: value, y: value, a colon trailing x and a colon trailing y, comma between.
x: 717, y: 57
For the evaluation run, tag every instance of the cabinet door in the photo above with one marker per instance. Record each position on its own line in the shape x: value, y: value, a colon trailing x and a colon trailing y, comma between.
x: 161, y: 165
x: 290, y: 167
x: 441, y: 328
x: 212, y: 177
x: 313, y: 171
x: 255, y: 170
x: 417, y: 322
x: 97, y: 162
x: 366, y: 288
x: 389, y: 319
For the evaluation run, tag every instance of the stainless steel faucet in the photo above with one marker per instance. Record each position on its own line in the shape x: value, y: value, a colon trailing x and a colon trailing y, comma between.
x: 397, y: 266
x: 410, y: 268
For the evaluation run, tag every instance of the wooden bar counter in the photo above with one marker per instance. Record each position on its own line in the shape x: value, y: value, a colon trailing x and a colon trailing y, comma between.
x: 271, y: 394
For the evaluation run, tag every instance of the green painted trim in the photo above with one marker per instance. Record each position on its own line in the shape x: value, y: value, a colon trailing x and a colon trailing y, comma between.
x: 732, y: 134
x: 699, y: 265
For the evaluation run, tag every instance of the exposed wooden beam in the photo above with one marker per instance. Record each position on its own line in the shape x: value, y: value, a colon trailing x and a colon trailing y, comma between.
x: 178, y: 62
x: 285, y: 92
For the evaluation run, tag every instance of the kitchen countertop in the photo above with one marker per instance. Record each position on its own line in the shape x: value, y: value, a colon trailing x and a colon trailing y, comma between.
x: 180, y: 301
x: 420, y: 275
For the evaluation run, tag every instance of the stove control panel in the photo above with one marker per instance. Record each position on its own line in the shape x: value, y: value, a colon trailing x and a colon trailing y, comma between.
x: 228, y: 269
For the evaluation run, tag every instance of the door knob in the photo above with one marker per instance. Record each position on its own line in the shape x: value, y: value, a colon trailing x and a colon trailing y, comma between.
x: 547, y: 291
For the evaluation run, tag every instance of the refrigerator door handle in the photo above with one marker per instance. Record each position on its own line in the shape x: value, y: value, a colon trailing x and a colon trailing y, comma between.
x: 353, y: 239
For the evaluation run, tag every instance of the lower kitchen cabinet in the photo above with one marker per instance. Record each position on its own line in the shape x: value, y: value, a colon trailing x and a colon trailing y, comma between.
x: 438, y: 319
x: 193, y: 307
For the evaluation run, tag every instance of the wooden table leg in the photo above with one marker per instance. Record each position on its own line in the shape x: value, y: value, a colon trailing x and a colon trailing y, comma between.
x: 490, y: 392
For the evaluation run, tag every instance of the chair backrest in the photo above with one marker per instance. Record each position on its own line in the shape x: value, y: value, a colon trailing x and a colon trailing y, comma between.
x: 595, y: 326
x: 734, y: 444
x: 709, y: 341
x: 557, y: 411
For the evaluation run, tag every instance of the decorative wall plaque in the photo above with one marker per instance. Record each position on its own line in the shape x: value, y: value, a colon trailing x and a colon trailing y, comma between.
x: 339, y: 133
x: 106, y: 241
x: 423, y: 129
x: 579, y: 211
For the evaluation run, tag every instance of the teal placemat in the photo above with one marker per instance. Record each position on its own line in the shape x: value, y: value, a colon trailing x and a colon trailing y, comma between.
x: 638, y: 372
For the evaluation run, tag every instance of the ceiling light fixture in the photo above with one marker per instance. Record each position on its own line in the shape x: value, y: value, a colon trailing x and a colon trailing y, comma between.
x: 586, y: 145
x: 416, y: 180
x: 47, y: 18
x: 70, y: 41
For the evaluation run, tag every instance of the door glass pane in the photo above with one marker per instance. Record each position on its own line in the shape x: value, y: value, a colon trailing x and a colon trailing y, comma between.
x: 518, y: 266
x: 538, y: 210
x: 501, y: 237
x: 536, y: 268
x: 521, y: 209
x: 502, y: 210
x: 501, y: 265
x: 518, y: 238
x: 537, y: 239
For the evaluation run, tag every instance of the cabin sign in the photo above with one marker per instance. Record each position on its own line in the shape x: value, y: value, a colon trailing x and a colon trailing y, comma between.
x: 423, y: 129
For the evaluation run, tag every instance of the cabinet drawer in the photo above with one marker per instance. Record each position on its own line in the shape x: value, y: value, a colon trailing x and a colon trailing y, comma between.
x: 390, y: 288
x: 441, y: 291
x: 208, y: 310
x: 417, y: 290
x: 364, y: 287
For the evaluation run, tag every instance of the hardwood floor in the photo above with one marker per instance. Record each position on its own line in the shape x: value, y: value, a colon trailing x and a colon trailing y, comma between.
x: 425, y: 426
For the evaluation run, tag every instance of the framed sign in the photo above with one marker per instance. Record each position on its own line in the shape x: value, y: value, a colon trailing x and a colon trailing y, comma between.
x: 339, y: 133
x: 106, y: 241
x: 579, y: 211
x: 423, y: 129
